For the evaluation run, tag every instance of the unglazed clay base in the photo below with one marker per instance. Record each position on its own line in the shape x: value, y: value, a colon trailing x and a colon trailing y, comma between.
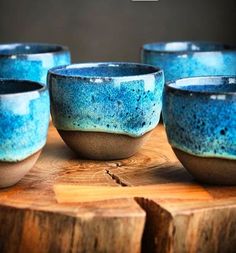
x: 209, y: 170
x: 102, y: 146
x: 12, y: 172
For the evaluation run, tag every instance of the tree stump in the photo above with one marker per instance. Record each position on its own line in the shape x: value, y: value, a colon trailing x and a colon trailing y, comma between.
x: 147, y: 203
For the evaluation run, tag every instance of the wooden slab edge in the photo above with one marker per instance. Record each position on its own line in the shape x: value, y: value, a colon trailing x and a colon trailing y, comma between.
x: 70, y: 193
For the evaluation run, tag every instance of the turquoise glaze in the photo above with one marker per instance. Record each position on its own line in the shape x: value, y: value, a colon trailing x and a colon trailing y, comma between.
x: 189, y: 59
x: 200, y: 116
x: 122, y: 98
x: 31, y: 61
x: 24, y: 114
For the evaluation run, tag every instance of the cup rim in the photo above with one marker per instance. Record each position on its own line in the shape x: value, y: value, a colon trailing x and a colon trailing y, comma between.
x: 226, y: 47
x: 60, y: 49
x: 172, y: 86
x: 154, y: 71
x: 39, y: 89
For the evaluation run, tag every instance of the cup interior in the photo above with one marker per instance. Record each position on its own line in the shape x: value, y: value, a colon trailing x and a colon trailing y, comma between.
x: 104, y: 70
x: 28, y: 48
x: 18, y: 86
x: 187, y: 46
x: 206, y: 85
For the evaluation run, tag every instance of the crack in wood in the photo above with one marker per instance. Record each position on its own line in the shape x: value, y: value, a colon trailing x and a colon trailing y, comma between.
x: 116, y: 178
x: 159, y: 229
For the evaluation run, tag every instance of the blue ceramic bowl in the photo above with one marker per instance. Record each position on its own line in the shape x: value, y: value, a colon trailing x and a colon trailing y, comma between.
x: 200, y: 119
x: 31, y: 61
x: 24, y: 113
x: 189, y: 59
x: 120, y: 99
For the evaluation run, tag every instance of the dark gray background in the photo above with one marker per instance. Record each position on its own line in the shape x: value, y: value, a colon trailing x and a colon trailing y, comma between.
x: 114, y: 30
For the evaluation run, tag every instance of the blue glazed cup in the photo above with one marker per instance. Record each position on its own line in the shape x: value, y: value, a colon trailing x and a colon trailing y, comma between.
x: 189, y: 59
x: 105, y: 110
x: 31, y: 61
x: 200, y: 119
x: 24, y: 114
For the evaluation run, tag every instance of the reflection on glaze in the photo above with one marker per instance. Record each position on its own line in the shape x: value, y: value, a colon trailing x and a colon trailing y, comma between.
x: 31, y: 61
x: 201, y: 119
x: 188, y: 59
x: 24, y: 121
x: 120, y: 101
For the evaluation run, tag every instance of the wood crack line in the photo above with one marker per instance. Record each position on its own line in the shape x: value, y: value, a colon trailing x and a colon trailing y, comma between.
x: 116, y: 178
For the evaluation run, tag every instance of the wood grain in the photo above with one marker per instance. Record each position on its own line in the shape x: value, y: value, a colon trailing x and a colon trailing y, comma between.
x: 152, y: 205
x: 66, y: 193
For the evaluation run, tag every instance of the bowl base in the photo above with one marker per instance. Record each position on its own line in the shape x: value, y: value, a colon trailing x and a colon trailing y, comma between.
x: 13, y: 172
x: 217, y: 171
x: 102, y: 146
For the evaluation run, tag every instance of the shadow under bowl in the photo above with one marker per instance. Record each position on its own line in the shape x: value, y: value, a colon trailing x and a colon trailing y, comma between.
x: 103, y: 146
x: 12, y: 172
x: 208, y: 170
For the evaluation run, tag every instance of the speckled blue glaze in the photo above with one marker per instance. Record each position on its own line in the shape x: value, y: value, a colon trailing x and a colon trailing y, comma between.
x: 31, y: 61
x: 24, y: 114
x: 189, y: 59
x: 122, y: 98
x: 200, y: 116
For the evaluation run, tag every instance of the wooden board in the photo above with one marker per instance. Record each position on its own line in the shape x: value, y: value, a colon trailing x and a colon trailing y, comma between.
x: 147, y: 203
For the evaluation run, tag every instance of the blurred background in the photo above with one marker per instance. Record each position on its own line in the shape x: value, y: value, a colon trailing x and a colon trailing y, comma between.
x: 114, y: 30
